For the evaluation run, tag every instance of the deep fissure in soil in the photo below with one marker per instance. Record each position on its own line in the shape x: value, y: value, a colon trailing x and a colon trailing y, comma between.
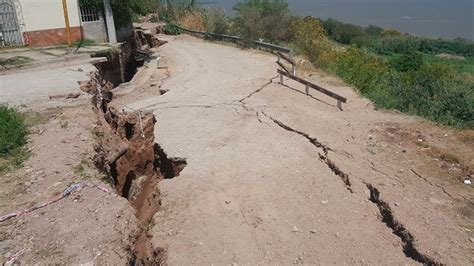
x: 126, y: 151
x: 399, y: 229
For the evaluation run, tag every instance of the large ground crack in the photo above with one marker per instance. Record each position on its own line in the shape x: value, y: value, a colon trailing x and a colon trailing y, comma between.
x: 249, y: 109
x: 258, y: 90
x: 323, y: 156
x: 399, y: 229
x: 127, y: 153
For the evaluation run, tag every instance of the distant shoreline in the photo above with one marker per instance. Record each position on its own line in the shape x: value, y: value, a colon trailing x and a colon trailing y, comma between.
x: 415, y: 17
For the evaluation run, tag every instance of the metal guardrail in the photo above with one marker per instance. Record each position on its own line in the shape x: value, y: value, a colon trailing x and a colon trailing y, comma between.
x: 281, y: 52
x: 270, y: 46
x: 308, y: 85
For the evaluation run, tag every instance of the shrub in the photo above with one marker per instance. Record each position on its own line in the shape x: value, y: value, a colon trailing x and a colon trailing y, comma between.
x: 172, y: 29
x: 345, y: 33
x: 192, y: 19
x: 373, y: 30
x: 215, y: 21
x: 266, y: 19
x: 430, y: 90
x: 310, y: 37
x: 410, y: 61
x: 404, y: 44
x: 12, y: 130
x: 390, y: 33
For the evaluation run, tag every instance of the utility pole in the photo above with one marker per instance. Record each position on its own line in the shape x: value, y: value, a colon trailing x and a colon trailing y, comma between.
x: 68, y: 27
x: 109, y: 21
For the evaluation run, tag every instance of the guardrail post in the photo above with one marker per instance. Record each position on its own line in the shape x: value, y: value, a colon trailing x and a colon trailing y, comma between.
x: 294, y: 70
x: 281, y: 79
x: 339, y: 105
x: 307, y: 90
x: 278, y: 58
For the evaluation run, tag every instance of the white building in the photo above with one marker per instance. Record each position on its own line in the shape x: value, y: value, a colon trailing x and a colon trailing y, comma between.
x: 43, y: 22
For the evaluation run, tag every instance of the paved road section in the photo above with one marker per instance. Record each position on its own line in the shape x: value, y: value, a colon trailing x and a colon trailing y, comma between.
x: 275, y: 177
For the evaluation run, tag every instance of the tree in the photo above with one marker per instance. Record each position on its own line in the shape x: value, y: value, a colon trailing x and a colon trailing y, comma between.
x: 123, y: 9
x: 344, y: 33
x: 373, y: 30
x: 390, y: 33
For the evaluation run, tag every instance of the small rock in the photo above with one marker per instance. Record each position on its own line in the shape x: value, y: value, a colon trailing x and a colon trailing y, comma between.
x: 324, y: 202
x: 27, y: 184
x: 471, y: 239
x: 337, y: 234
x: 98, y: 253
x: 420, y: 140
x: 467, y: 182
x: 400, y: 170
x: 312, y: 231
x: 295, y: 229
x: 397, y: 204
x: 227, y: 202
x: 445, y: 135
x: 56, y: 184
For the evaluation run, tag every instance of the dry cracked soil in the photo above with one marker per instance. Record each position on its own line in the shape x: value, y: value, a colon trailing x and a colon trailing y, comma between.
x: 226, y: 165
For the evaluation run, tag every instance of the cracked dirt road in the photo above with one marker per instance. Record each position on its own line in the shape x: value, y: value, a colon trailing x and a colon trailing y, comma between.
x: 275, y: 177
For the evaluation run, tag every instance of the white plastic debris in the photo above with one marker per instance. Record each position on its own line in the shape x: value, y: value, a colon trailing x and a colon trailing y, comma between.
x: 467, y: 182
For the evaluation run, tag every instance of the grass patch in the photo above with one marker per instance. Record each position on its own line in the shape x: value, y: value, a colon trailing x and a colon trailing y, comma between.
x: 13, y: 132
x: 84, y: 43
x: 16, y: 60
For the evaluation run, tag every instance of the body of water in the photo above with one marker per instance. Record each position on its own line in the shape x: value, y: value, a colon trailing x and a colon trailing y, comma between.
x: 432, y: 18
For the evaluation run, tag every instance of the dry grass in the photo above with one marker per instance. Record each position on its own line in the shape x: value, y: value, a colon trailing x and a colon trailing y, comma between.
x: 193, y: 20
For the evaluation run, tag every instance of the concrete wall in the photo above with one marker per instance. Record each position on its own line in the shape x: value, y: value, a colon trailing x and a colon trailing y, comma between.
x: 45, y: 24
x: 95, y: 30
x: 48, y: 14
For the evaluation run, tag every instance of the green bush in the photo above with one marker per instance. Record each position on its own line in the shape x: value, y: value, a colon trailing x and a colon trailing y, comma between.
x: 404, y: 44
x: 309, y: 36
x: 434, y: 91
x: 408, y: 61
x: 172, y: 29
x: 12, y: 130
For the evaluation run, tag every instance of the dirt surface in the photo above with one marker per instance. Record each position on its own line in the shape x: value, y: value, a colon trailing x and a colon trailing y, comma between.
x: 89, y: 226
x: 275, y: 177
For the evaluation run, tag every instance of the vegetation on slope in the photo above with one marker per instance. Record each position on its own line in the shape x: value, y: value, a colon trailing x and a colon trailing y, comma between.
x: 394, y: 70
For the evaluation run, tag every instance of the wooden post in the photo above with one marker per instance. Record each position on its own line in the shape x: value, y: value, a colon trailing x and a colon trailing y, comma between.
x: 68, y: 27
x: 307, y: 90
x: 281, y: 79
x: 339, y: 105
x: 294, y: 70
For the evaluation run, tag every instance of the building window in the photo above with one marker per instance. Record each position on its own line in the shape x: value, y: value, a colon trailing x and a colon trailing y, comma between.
x: 89, y: 14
